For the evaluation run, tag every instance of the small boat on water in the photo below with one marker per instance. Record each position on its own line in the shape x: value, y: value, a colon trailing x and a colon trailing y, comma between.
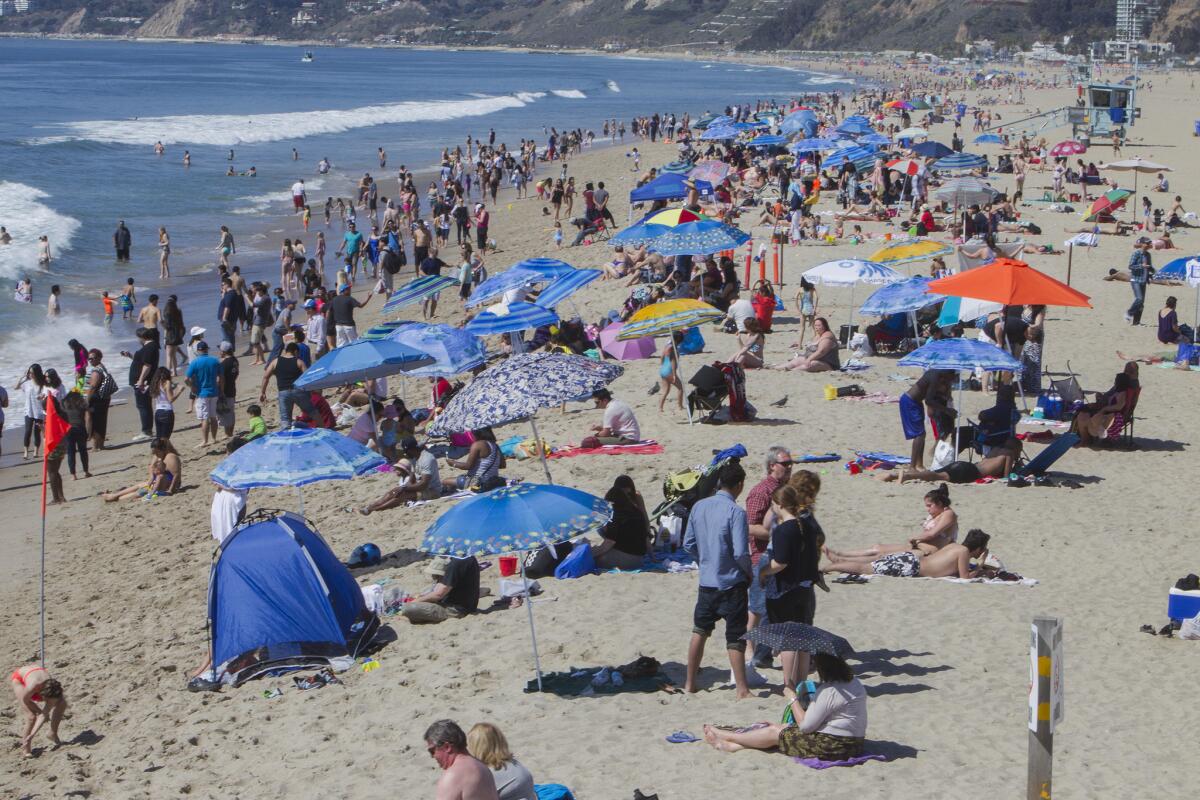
x: 307, y: 57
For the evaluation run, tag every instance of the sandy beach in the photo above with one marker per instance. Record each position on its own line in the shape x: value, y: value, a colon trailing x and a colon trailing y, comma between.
x: 945, y: 664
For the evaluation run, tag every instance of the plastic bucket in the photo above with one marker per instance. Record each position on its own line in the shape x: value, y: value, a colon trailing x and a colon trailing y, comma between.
x: 508, y: 566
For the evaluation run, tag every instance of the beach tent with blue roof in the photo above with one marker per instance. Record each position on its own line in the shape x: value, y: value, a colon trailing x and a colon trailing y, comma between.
x: 668, y: 186
x: 279, y: 599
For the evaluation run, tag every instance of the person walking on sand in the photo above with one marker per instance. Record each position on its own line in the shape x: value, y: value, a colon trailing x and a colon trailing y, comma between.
x: 717, y: 537
x: 226, y: 247
x: 32, y: 685
x: 464, y: 777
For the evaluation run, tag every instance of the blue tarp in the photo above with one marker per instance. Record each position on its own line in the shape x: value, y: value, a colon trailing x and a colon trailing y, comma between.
x: 668, y: 186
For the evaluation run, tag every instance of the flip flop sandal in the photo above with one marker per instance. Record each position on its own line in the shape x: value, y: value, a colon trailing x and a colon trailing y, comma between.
x: 851, y: 579
x: 681, y: 737
x: 1148, y: 629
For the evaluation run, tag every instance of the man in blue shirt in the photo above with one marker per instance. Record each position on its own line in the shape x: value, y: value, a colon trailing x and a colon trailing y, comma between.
x: 204, y: 375
x: 718, y: 535
x: 352, y: 246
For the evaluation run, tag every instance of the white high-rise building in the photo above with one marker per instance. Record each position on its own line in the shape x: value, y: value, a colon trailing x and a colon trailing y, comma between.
x: 1134, y: 18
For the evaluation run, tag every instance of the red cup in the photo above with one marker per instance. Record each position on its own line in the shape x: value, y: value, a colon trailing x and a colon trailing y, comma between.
x: 855, y: 468
x: 508, y: 566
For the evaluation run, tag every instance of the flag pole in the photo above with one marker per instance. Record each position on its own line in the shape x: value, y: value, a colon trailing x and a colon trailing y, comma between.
x: 42, y: 577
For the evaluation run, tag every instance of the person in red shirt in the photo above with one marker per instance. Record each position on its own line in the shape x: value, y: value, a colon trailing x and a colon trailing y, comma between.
x: 321, y: 416
x: 758, y: 503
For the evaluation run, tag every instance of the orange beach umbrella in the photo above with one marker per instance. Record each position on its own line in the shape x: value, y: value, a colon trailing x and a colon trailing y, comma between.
x: 1011, y: 283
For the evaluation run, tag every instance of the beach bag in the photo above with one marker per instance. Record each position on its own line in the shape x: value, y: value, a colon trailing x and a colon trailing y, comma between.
x: 943, y: 454
x: 108, y: 385
x: 578, y: 564
x: 553, y: 791
x: 1190, y: 629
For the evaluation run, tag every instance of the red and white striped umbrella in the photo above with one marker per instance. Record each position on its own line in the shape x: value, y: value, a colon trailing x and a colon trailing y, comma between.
x: 907, y: 166
x: 1068, y: 148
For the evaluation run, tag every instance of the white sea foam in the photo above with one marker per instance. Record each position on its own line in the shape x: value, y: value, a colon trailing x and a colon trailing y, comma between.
x: 26, y: 216
x: 261, y: 203
x: 570, y: 94
x: 45, y: 343
x: 613, y: 86
x: 227, y: 130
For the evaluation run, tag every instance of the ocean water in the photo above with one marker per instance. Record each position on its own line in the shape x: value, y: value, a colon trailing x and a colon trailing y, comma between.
x: 80, y: 119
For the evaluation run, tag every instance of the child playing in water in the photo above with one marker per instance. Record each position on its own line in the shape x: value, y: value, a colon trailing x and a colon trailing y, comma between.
x: 108, y: 310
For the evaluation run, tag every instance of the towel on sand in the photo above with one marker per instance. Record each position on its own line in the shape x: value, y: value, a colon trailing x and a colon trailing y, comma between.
x: 646, y: 447
x: 816, y: 763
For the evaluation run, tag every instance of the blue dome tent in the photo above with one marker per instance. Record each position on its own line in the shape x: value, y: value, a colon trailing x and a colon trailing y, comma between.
x: 278, y: 599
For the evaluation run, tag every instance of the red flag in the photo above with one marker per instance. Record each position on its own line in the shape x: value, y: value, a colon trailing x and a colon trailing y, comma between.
x: 55, y: 432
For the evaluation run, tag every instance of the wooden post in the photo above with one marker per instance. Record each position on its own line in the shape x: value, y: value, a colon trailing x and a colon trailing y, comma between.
x: 1045, y: 703
x: 1070, y: 253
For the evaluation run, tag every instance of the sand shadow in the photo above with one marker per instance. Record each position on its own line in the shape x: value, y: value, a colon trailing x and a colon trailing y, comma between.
x: 893, y: 750
x: 1150, y: 446
x: 396, y: 559
x: 1071, y: 480
x: 87, y: 738
x: 383, y: 637
x: 882, y: 663
x: 882, y: 689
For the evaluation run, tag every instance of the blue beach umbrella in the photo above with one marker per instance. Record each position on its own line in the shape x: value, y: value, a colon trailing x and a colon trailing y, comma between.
x: 500, y: 283
x: 510, y: 318
x: 960, y: 162
x: 931, y: 150
x: 800, y: 120
x: 813, y: 145
x: 638, y: 234
x: 767, y: 140
x: 900, y: 298
x: 1175, y: 270
x: 748, y: 126
x: 565, y: 286
x: 385, y: 329
x: 295, y: 457
x: 719, y: 132
x: 453, y: 350
x: 416, y: 291
x: 863, y: 158
x: 515, y: 519
x: 874, y: 139
x: 361, y: 360
x: 700, y: 238
x: 719, y: 120
x: 677, y: 167
x: 854, y: 127
x: 988, y: 138
x: 960, y: 355
x: 550, y: 267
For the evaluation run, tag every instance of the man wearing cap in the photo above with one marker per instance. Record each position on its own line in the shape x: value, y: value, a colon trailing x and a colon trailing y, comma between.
x: 455, y: 594
x: 227, y: 402
x: 314, y: 328
x: 204, y: 376
x: 341, y: 314
x: 283, y: 326
x: 389, y: 264
x: 419, y: 479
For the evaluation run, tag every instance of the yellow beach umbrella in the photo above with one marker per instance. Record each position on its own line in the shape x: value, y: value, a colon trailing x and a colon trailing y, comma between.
x: 908, y: 250
x: 672, y: 217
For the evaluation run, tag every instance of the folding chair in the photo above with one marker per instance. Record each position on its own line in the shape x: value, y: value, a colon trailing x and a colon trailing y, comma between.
x: 1045, y: 459
x: 602, y: 233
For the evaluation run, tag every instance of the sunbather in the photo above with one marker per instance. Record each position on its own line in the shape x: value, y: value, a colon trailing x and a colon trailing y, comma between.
x: 820, y: 356
x: 419, y: 478
x: 831, y: 728
x: 952, y: 561
x: 939, y: 529
x: 999, y: 465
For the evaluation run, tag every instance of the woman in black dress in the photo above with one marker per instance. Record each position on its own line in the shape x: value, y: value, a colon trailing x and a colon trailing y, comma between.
x: 796, y: 542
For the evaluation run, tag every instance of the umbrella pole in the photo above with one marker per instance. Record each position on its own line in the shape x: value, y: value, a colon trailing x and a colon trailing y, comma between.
x: 541, y: 448
x: 537, y: 663
x: 300, y: 494
x: 374, y: 422
x: 958, y: 415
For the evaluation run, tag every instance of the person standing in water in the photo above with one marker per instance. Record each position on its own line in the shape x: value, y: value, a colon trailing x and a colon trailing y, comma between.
x: 226, y: 247
x: 122, y: 240
x: 164, y: 254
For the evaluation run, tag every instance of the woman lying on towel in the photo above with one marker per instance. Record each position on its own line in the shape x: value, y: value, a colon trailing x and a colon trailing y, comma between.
x: 998, y: 465
x: 939, y: 529
x: 952, y: 561
x: 831, y: 728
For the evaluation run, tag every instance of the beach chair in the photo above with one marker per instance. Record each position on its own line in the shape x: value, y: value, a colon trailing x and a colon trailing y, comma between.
x: 1121, y: 429
x: 602, y: 232
x: 1046, y: 459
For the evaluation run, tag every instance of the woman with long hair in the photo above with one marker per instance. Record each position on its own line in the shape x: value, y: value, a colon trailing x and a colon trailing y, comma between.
x: 164, y: 254
x: 164, y: 393
x: 174, y: 331
x: 626, y: 538
x: 35, y: 408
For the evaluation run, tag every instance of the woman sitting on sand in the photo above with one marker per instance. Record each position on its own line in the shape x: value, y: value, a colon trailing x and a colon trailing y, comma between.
x: 820, y: 356
x: 482, y: 464
x: 31, y: 685
x: 832, y: 728
x: 752, y: 342
x: 626, y: 539
x: 939, y: 529
x: 165, y: 475
x: 513, y: 779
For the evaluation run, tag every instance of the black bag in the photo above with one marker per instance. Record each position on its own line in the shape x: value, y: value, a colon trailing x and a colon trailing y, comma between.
x: 108, y: 385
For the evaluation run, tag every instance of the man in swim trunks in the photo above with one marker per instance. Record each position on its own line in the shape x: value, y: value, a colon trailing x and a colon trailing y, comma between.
x: 930, y: 390
x: 952, y: 561
x: 32, y: 684
x: 299, y: 199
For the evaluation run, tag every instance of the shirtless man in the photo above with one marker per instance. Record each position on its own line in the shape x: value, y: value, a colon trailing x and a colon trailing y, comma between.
x: 32, y: 684
x: 932, y: 391
x: 952, y: 561
x: 464, y: 777
x: 150, y: 316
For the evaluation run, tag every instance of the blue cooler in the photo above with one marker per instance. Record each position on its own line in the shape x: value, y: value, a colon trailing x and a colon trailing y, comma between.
x: 1183, y: 605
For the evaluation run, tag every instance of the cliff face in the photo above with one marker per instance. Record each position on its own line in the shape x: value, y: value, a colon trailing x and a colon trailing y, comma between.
x: 939, y: 26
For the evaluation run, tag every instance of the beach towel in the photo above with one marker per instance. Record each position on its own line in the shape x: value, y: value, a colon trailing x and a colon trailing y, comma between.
x: 818, y: 459
x: 1020, y: 581
x: 737, y: 451
x: 816, y: 763
x: 673, y: 562
x: 882, y: 457
x: 879, y: 398
x: 645, y: 447
x: 578, y: 683
x: 855, y: 365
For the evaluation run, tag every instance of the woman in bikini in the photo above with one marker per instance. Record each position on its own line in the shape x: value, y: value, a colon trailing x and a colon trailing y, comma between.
x: 752, y: 342
x: 939, y: 529
x: 32, y: 685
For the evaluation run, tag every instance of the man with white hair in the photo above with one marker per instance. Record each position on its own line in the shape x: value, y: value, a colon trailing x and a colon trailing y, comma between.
x: 758, y: 502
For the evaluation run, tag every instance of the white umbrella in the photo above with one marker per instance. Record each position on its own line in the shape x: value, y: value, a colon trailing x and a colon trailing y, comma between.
x: 911, y: 133
x: 1135, y: 165
x: 851, y: 271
